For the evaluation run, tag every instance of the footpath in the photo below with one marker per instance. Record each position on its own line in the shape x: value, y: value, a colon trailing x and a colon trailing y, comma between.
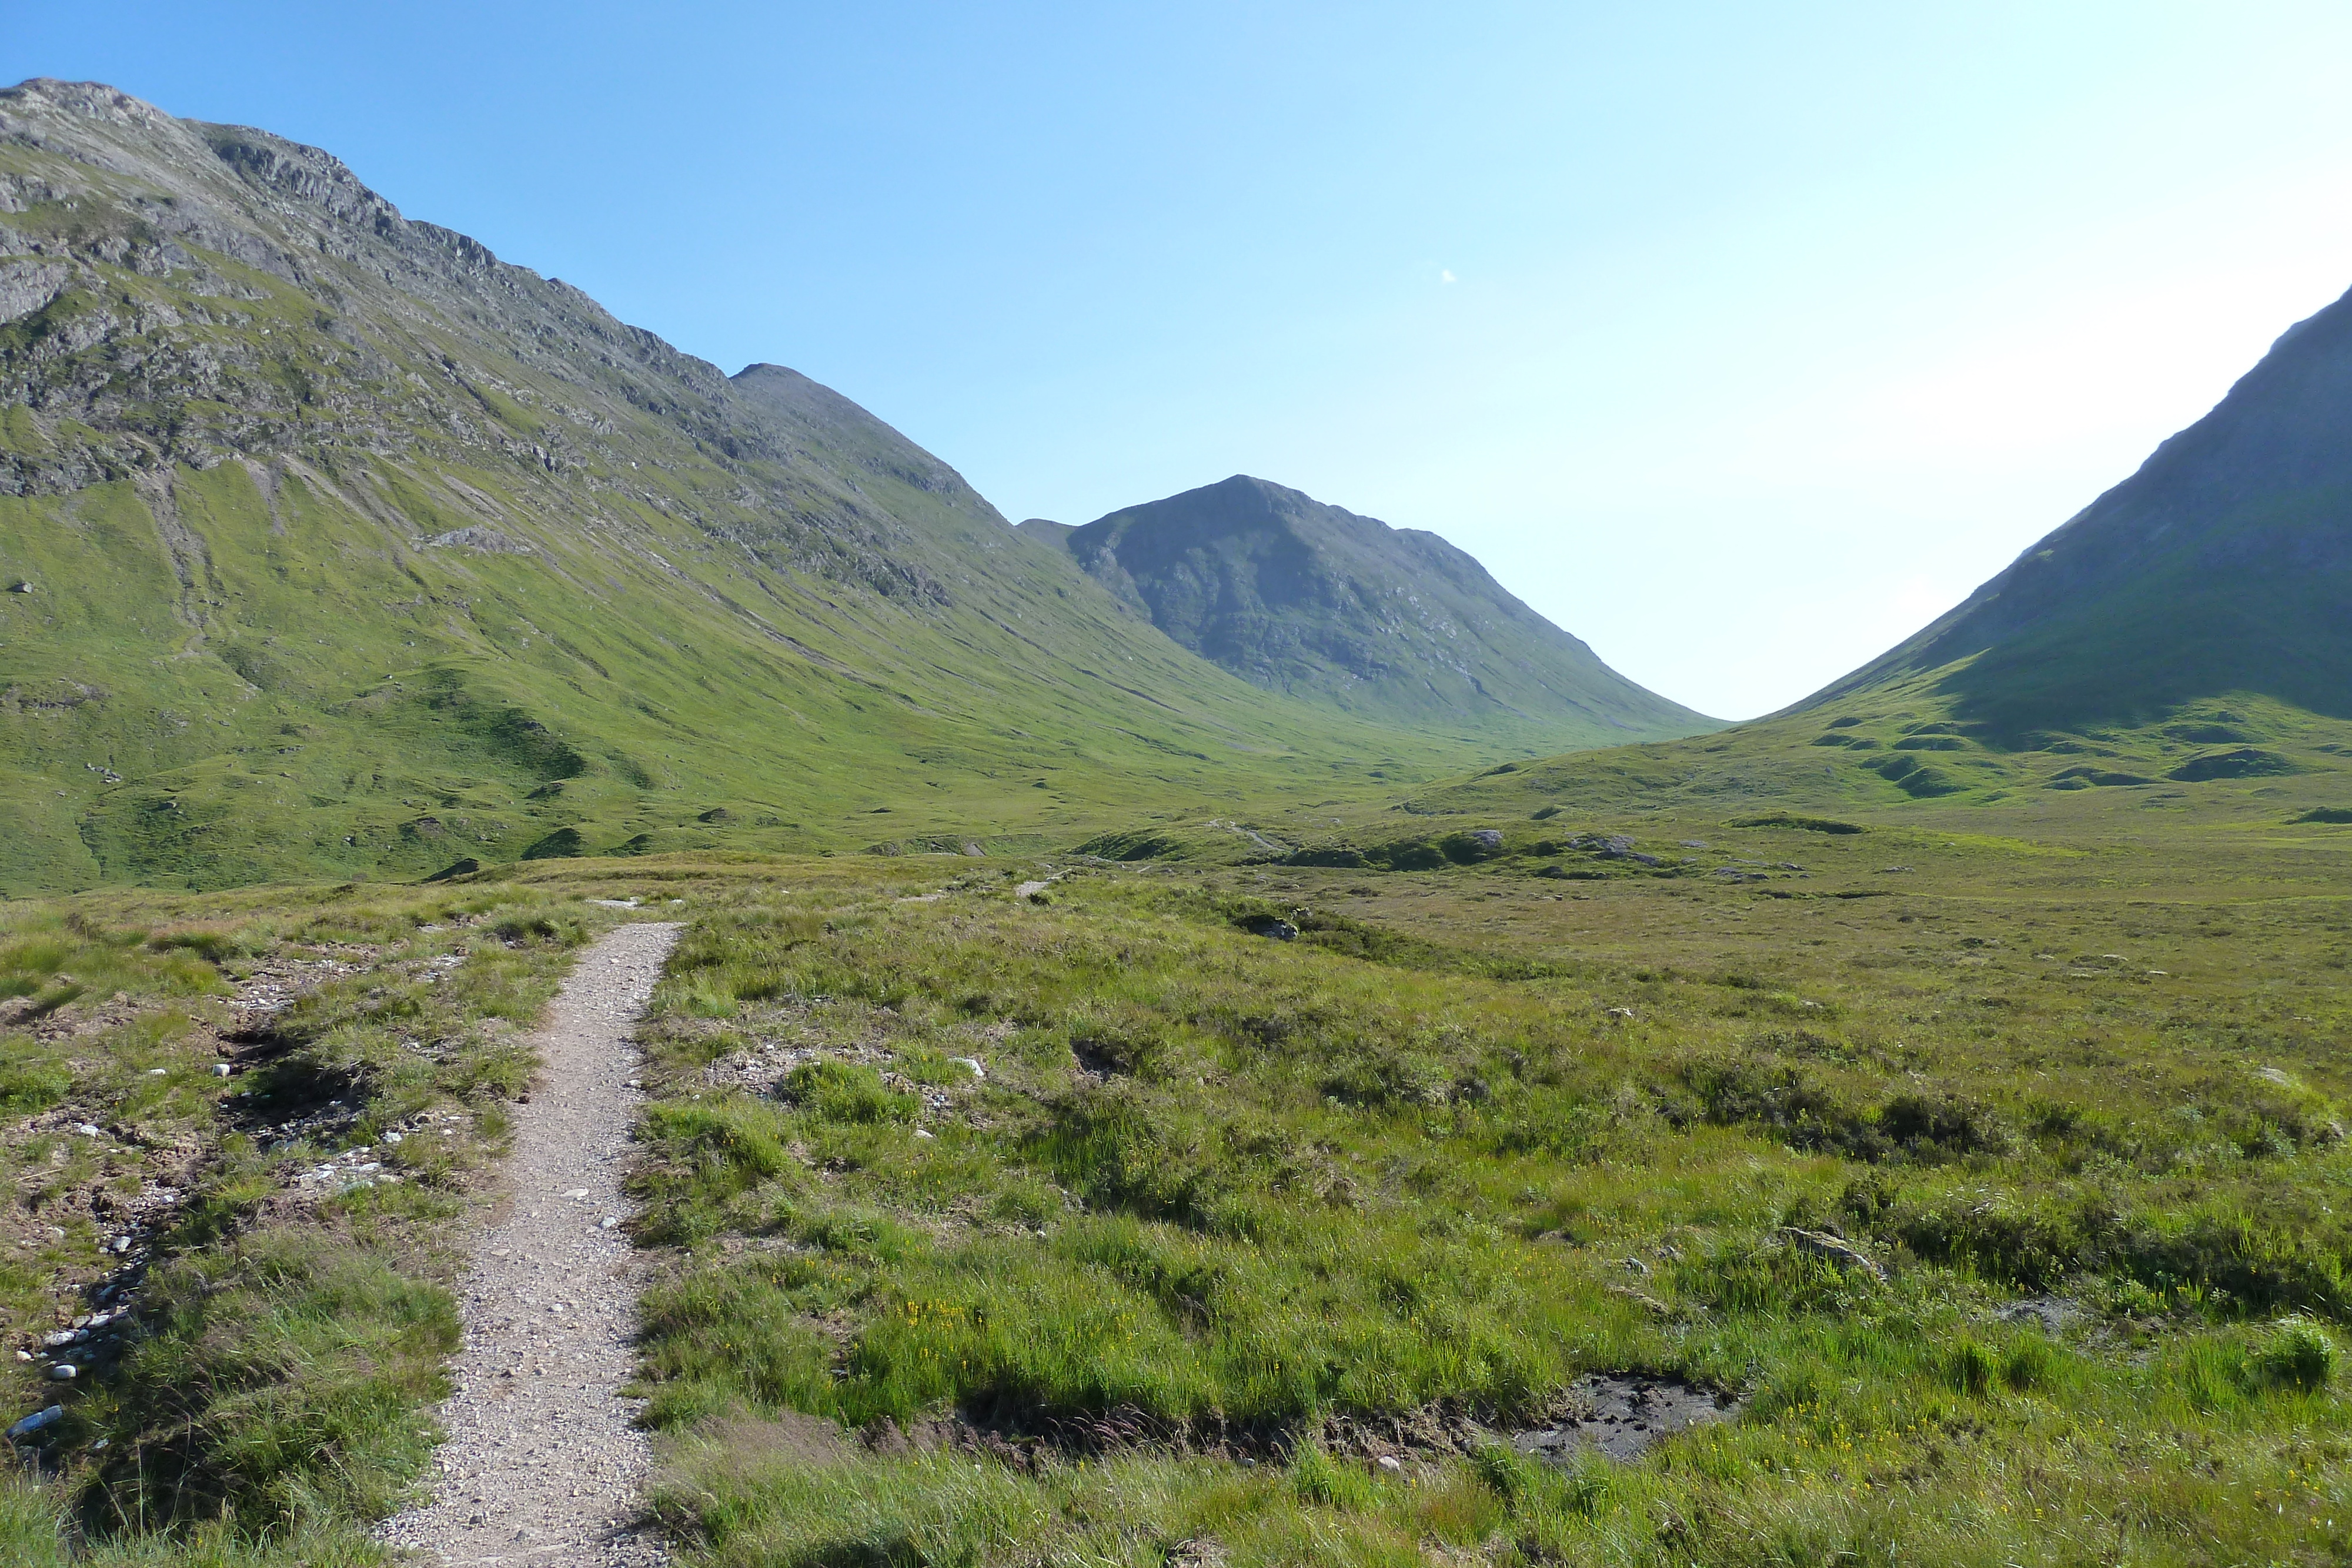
x: 542, y: 1462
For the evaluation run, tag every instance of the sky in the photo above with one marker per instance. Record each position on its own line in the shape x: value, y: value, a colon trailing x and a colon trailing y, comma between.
x: 1739, y: 341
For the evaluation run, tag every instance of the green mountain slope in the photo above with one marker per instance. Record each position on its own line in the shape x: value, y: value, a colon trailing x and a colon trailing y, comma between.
x: 334, y: 545
x: 2224, y: 565
x: 1394, y: 624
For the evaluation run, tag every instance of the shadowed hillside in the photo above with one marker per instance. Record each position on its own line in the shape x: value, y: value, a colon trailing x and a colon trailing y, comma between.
x: 2224, y: 565
x: 1394, y: 624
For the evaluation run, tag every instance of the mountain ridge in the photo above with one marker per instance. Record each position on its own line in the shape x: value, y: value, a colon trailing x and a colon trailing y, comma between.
x: 2181, y: 645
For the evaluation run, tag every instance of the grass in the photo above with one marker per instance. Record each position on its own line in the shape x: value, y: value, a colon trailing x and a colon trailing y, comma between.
x: 1219, y: 1190
x: 1102, y: 1229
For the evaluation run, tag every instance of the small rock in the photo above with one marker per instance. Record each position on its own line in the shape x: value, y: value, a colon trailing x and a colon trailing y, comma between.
x: 1390, y: 1463
x: 2050, y: 1314
x: 577, y: 1193
x: 922, y: 1132
x: 65, y: 1371
x: 36, y: 1421
x: 977, y: 1070
x: 609, y: 1221
x: 1648, y: 1303
x: 1837, y: 1249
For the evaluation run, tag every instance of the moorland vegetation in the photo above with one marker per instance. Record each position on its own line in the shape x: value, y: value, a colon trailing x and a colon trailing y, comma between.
x: 1991, y: 1184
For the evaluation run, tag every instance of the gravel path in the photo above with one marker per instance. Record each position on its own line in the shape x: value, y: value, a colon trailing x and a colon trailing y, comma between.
x: 541, y: 1464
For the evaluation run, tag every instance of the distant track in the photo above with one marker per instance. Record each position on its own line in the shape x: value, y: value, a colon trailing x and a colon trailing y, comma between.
x: 542, y: 1464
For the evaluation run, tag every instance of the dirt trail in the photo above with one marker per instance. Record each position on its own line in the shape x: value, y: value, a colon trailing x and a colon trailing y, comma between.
x: 541, y: 1464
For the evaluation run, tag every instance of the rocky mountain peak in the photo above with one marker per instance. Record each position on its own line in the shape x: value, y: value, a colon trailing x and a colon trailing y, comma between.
x: 1301, y: 597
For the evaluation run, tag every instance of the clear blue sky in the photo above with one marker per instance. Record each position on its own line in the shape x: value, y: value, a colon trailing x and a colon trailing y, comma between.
x: 1738, y: 340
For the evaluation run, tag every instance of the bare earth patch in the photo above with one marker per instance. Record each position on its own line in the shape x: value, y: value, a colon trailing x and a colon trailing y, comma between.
x: 1623, y: 1414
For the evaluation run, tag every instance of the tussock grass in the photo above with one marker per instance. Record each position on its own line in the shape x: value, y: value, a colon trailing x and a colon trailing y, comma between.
x: 1213, y: 1182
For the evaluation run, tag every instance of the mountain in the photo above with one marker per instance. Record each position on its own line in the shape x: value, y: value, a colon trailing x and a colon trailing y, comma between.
x: 2180, y: 651
x: 333, y: 545
x: 1390, y: 625
x: 2180, y: 647
x: 2224, y: 565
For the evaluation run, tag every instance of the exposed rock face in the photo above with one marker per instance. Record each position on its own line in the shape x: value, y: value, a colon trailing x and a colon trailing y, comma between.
x: 1300, y: 597
x: 2224, y: 565
x: 418, y: 340
x: 27, y: 285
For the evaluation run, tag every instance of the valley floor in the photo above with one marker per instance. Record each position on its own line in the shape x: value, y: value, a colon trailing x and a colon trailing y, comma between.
x: 1902, y: 1193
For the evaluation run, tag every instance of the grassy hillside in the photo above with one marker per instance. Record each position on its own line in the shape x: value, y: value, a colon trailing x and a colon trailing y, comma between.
x: 1391, y: 624
x: 333, y: 545
x: 1889, y: 748
x: 2224, y: 565
x: 1891, y: 758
